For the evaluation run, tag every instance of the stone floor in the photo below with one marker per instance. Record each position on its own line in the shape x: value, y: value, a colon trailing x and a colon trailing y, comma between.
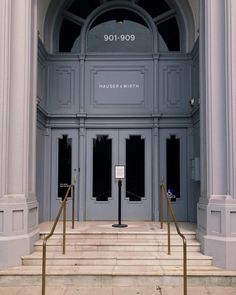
x: 157, y: 290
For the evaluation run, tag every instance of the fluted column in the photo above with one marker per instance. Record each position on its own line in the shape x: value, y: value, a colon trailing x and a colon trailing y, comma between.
x: 217, y: 205
x: 18, y: 204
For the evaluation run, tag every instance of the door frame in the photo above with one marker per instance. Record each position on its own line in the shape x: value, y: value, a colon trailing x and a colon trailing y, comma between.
x: 118, y: 147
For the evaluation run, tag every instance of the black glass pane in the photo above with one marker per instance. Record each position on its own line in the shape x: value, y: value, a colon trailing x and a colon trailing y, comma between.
x: 135, y: 168
x: 169, y: 31
x: 173, y: 166
x: 68, y: 34
x: 102, y: 168
x: 83, y: 8
x: 64, y: 165
x: 119, y: 15
x: 153, y: 7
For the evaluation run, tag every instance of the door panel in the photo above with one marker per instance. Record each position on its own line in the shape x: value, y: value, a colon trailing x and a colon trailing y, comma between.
x: 105, y: 149
x: 173, y: 169
x: 64, y: 168
x: 100, y: 190
x: 135, y: 154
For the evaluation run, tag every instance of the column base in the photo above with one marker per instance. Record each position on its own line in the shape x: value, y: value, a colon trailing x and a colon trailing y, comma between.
x: 217, y: 230
x: 13, y: 247
x: 18, y: 228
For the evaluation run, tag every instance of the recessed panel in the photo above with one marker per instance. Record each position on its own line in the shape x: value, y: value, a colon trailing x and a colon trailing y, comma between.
x: 118, y: 87
x: 1, y: 221
x: 17, y: 220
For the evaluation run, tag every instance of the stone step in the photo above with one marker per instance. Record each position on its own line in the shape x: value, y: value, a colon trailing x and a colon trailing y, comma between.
x: 116, y: 245
x: 116, y: 258
x: 103, y: 276
x: 117, y: 236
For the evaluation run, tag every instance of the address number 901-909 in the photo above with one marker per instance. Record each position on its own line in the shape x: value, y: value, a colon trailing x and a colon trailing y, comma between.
x: 122, y: 38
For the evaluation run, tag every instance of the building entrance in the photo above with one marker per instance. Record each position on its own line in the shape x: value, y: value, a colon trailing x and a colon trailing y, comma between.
x: 105, y: 149
x: 115, y: 89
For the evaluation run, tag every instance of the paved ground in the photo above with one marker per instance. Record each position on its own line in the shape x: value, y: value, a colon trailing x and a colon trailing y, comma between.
x: 118, y: 291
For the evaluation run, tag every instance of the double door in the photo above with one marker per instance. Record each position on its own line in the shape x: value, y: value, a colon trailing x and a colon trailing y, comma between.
x: 105, y: 150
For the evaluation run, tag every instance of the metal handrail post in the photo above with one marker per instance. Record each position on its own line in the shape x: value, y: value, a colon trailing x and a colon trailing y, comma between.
x: 185, y: 266
x: 62, y: 207
x: 171, y: 212
x: 64, y: 228
x: 168, y: 225
x: 44, y: 268
x: 161, y: 207
x: 73, y: 205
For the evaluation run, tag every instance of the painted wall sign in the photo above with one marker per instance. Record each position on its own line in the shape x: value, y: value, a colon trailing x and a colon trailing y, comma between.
x: 118, y: 87
x: 112, y: 36
x: 122, y: 37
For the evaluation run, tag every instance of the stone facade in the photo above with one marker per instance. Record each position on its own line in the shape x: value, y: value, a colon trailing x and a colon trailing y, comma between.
x: 216, y: 210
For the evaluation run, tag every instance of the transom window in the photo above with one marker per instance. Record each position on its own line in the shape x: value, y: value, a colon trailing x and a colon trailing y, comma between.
x: 119, y: 29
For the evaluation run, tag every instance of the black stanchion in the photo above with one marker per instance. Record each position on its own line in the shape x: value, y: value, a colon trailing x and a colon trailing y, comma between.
x: 119, y: 206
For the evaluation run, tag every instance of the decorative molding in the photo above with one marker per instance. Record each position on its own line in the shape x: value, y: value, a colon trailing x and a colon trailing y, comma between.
x: 64, y: 86
x: 133, y: 91
x: 2, y: 221
x: 120, y: 87
x: 174, y: 89
x: 63, y: 89
x: 18, y: 221
x: 215, y: 220
x: 232, y: 223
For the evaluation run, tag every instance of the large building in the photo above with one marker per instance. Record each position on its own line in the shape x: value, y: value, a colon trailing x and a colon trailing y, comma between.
x: 86, y: 85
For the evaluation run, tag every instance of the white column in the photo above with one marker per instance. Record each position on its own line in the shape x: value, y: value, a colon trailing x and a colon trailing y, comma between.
x: 217, y: 205
x: 5, y: 23
x: 18, y: 204
x: 231, y: 94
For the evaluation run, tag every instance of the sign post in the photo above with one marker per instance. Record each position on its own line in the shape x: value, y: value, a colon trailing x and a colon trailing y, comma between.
x: 119, y: 175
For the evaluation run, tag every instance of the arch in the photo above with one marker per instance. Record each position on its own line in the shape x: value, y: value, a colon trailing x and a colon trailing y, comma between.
x: 186, y: 22
x: 184, y: 17
x: 118, y: 5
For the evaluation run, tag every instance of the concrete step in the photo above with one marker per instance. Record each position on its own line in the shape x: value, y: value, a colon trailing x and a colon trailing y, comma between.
x: 162, y: 235
x: 98, y: 255
x: 103, y: 276
x: 120, y: 245
x: 116, y: 258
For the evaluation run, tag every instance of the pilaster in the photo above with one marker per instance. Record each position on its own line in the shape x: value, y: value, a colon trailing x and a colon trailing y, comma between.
x: 155, y: 171
x: 82, y: 170
x: 217, y: 204
x: 18, y: 204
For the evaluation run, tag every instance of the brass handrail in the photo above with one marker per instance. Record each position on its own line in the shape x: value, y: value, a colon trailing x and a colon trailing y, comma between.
x: 45, y: 239
x: 170, y: 211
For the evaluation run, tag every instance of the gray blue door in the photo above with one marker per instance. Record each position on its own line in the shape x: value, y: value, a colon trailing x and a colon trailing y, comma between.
x: 173, y: 169
x: 105, y: 149
x: 64, y: 168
